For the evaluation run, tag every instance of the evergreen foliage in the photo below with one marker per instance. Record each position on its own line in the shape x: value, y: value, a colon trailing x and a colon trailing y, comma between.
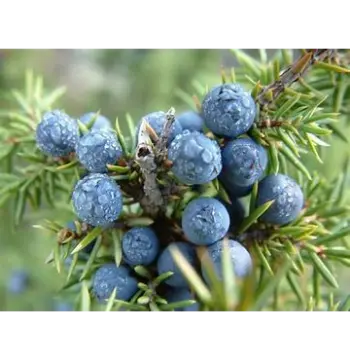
x: 300, y: 103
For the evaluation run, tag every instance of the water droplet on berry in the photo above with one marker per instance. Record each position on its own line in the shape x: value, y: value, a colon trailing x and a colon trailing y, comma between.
x: 207, y: 156
x: 246, y: 102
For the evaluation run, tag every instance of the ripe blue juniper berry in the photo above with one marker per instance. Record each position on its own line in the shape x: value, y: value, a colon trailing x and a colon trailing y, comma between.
x: 57, y: 134
x: 101, y: 122
x: 244, y: 161
x: 196, y: 158
x: 181, y: 294
x: 98, y: 148
x: 140, y: 246
x: 108, y: 277
x: 287, y: 195
x: 157, y: 121
x: 166, y: 263
x: 97, y: 200
x: 236, y: 212
x: 240, y: 257
x: 205, y: 220
x: 228, y: 110
x: 234, y: 191
x: 191, y: 120
x: 18, y: 281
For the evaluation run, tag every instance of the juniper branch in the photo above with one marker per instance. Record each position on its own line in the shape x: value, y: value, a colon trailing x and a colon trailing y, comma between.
x: 292, y: 74
x: 150, y: 159
x: 289, y: 251
x: 145, y: 157
x: 161, y: 146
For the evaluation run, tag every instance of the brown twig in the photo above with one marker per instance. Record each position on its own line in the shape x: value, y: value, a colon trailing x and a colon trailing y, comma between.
x: 292, y: 74
x: 150, y: 159
x: 152, y: 200
x: 161, y: 145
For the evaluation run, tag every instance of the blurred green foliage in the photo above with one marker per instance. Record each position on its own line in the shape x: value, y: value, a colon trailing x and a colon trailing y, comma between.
x: 116, y: 82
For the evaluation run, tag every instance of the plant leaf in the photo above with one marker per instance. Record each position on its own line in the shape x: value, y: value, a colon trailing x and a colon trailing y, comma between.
x: 191, y: 275
x: 286, y: 106
x: 67, y: 166
x: 293, y: 283
x: 82, y: 127
x: 270, y: 285
x: 57, y: 257
x: 20, y: 205
x: 72, y: 266
x: 85, y: 302
x: 92, y: 257
x: 139, y: 221
x: 111, y: 300
x: 345, y: 306
x: 323, y: 269
x: 254, y: 216
x: 161, y: 278
x: 228, y: 277
x: 337, y: 252
x: 273, y: 156
x: 332, y: 237
x: 331, y: 67
x: 177, y: 305
x: 54, y: 96
x: 118, y: 169
x: 88, y: 239
x: 121, y: 137
x: 142, y: 271
x: 264, y: 262
x: 117, y: 242
x: 295, y: 161
x: 130, y: 306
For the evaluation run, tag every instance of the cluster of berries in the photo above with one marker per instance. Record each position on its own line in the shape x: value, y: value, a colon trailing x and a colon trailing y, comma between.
x: 197, y: 157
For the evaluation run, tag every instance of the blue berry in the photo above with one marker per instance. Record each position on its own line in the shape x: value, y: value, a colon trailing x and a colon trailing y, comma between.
x: 196, y: 158
x: 288, y: 196
x: 157, y: 120
x: 166, y: 263
x: 108, y: 277
x: 63, y: 306
x: 244, y: 161
x: 57, y: 134
x: 100, y: 123
x: 240, y: 257
x: 98, y: 148
x: 191, y: 120
x: 205, y: 220
x: 233, y: 190
x: 236, y: 211
x: 97, y: 200
x: 228, y: 110
x: 181, y: 294
x: 140, y: 246
x: 18, y: 281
